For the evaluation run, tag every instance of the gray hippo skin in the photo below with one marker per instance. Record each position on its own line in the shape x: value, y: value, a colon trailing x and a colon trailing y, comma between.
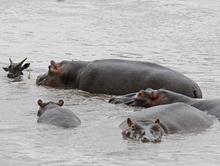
x: 118, y: 77
x: 53, y: 113
x: 150, y: 97
x: 15, y: 69
x: 151, y: 124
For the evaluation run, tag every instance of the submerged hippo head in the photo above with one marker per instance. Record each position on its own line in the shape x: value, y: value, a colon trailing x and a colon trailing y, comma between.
x: 45, y: 106
x: 53, y: 77
x: 150, y: 97
x: 147, y: 132
x: 15, y: 69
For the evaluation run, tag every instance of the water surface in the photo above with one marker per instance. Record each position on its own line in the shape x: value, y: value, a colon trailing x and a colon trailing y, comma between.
x: 181, y: 34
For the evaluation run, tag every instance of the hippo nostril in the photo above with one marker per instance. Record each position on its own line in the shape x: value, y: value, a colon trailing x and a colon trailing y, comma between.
x: 157, y: 141
x: 144, y: 140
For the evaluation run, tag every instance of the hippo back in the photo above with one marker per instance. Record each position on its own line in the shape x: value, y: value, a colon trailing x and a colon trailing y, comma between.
x: 60, y: 117
x: 177, y: 117
x: 114, y: 76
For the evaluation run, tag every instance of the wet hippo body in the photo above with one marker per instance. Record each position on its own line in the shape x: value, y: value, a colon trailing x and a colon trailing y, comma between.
x: 52, y: 113
x: 151, y: 124
x: 150, y: 97
x: 118, y: 77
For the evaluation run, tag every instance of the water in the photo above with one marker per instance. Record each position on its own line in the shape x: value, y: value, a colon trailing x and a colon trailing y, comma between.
x: 181, y: 34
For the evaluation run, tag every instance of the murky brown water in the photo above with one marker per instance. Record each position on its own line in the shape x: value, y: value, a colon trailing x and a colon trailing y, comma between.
x: 181, y: 34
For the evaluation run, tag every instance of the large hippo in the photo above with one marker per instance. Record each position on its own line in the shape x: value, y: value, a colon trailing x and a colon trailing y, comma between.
x: 53, y: 113
x: 118, y: 77
x: 151, y: 124
x: 16, y: 69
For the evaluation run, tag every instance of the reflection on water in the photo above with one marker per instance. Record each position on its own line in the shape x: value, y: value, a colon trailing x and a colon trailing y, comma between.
x: 182, y: 35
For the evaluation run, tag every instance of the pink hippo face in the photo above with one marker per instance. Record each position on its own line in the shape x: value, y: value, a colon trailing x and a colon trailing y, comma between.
x: 149, y: 98
x: 54, y: 76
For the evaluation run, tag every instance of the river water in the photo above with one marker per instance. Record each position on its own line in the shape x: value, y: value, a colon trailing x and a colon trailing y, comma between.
x: 181, y: 34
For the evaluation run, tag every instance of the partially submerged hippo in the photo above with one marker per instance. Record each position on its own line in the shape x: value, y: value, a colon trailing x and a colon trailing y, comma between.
x: 16, y: 69
x: 118, y: 77
x: 150, y: 97
x: 151, y: 124
x: 53, y: 113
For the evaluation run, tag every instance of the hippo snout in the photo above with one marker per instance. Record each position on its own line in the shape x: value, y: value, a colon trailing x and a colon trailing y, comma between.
x: 41, y: 79
x: 145, y: 140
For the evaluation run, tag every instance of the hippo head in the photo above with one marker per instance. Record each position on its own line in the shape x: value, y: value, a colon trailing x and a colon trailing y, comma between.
x: 15, y: 69
x: 53, y: 77
x: 148, y: 132
x: 149, y: 98
x: 48, y: 105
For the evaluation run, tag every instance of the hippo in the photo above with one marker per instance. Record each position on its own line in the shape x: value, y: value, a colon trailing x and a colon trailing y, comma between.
x: 117, y: 77
x: 152, y: 123
x: 150, y: 97
x: 53, y: 113
x: 16, y: 69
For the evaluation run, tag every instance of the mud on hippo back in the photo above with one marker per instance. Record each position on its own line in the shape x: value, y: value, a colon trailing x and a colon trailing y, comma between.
x: 16, y: 69
x: 53, y: 113
x: 118, y: 77
x: 151, y: 124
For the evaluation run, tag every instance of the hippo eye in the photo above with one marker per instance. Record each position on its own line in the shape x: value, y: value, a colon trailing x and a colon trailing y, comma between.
x: 133, y: 127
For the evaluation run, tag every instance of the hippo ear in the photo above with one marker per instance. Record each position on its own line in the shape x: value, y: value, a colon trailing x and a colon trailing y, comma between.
x: 55, y: 67
x: 141, y: 92
x: 60, y: 103
x: 40, y: 103
x: 157, y: 126
x: 157, y: 121
x: 54, y: 64
x: 5, y: 68
x: 129, y: 122
x: 140, y: 95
